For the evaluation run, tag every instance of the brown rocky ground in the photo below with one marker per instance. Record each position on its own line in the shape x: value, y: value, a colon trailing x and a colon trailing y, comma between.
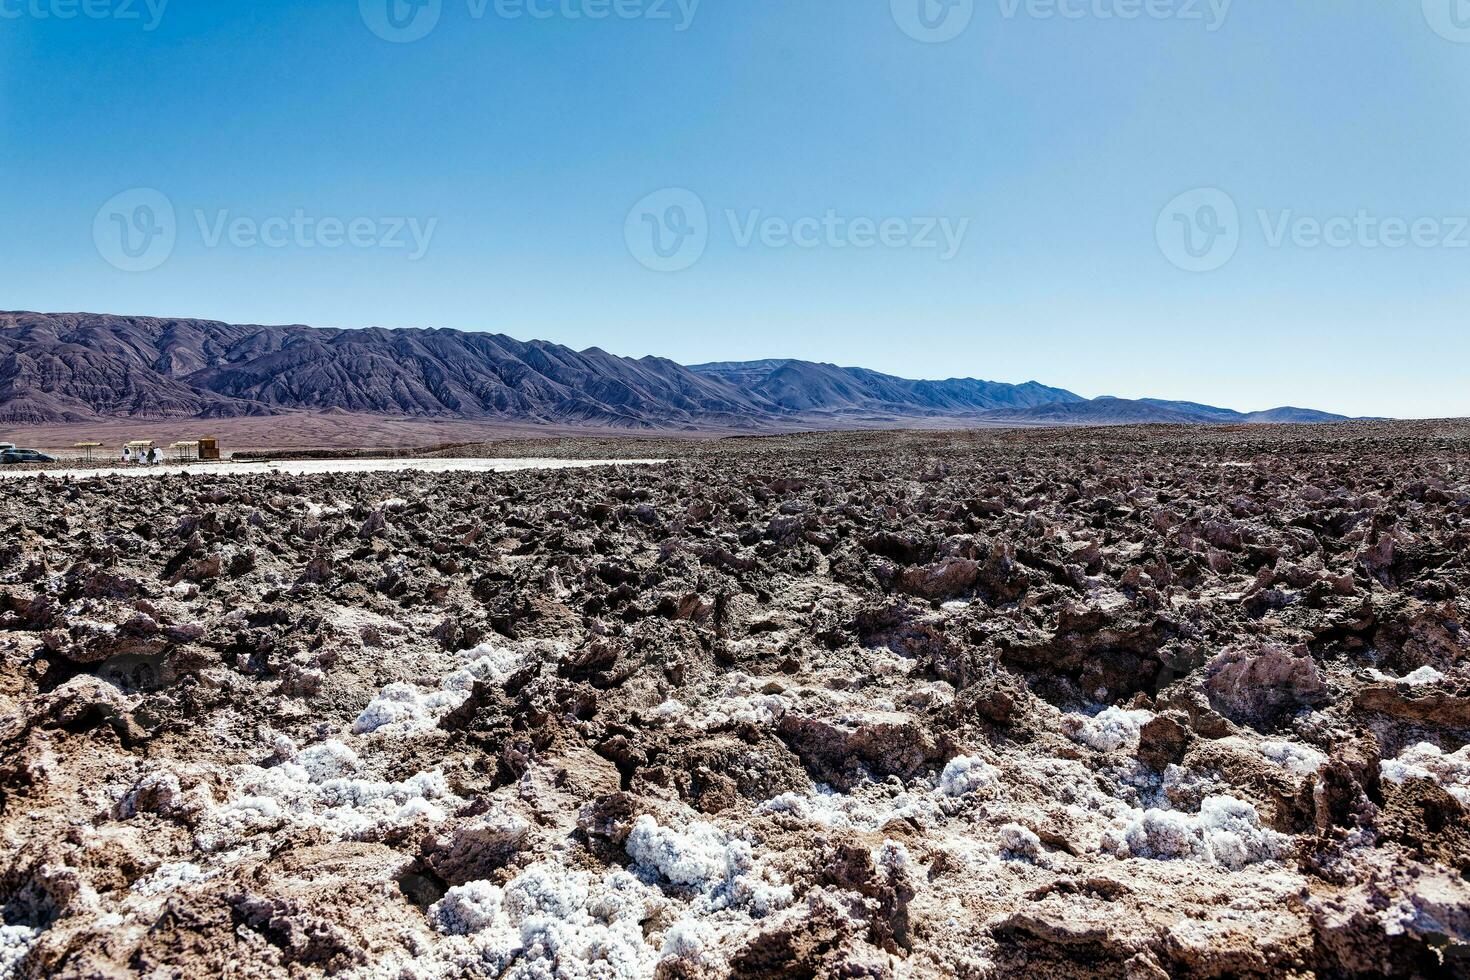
x: 1083, y: 703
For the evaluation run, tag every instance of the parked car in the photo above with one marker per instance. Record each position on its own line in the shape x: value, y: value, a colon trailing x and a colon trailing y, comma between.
x: 9, y: 456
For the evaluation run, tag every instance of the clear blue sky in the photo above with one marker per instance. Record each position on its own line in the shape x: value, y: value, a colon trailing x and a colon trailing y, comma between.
x: 527, y: 140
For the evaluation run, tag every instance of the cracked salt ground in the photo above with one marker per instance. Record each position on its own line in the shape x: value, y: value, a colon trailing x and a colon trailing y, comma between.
x: 1113, y: 728
x: 552, y: 921
x: 406, y: 708
x: 1067, y: 705
x: 548, y: 918
x: 319, y: 787
x: 316, y: 788
x: 14, y: 942
x: 1225, y: 831
x: 1450, y: 770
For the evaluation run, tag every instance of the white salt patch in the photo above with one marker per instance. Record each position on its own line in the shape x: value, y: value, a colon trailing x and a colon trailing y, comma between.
x: 739, y: 700
x: 893, y: 857
x: 328, y: 760
x: 1018, y: 842
x: 158, y: 791
x: 826, y: 807
x: 407, y: 709
x: 1298, y: 759
x: 343, y: 807
x: 169, y: 877
x: 1110, y: 729
x: 965, y: 774
x: 1424, y: 675
x: 1427, y: 761
x: 761, y: 710
x: 320, y: 787
x: 700, y: 856
x: 467, y: 908
x: 671, y: 708
x: 704, y: 859
x: 1303, y: 760
x: 15, y: 942
x: 1226, y: 832
x: 550, y: 922
x: 404, y: 709
x: 248, y: 815
x: 694, y: 943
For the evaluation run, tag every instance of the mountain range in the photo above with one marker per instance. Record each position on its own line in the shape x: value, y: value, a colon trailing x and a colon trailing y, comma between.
x: 60, y: 368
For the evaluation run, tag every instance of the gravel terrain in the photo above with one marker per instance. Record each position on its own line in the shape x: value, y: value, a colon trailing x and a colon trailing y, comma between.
x: 1124, y: 703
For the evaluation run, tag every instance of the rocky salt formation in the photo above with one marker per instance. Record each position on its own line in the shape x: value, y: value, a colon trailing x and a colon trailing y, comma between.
x: 1126, y: 703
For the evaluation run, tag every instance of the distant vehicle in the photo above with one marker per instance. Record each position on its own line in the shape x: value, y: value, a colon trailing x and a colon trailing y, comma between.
x: 13, y: 455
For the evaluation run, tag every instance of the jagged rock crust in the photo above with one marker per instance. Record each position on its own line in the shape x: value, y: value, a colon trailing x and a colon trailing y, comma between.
x: 1095, y: 704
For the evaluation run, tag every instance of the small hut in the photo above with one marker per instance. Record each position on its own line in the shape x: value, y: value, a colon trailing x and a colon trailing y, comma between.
x: 209, y: 448
x: 185, y: 451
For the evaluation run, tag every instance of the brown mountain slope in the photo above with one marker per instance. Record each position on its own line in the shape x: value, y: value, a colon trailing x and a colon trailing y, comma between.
x: 66, y: 368
x: 74, y: 367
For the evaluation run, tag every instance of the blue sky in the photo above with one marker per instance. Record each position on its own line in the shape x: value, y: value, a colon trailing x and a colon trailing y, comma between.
x: 497, y: 172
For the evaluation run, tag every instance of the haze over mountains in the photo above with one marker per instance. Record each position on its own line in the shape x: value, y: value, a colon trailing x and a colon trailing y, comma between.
x: 81, y: 367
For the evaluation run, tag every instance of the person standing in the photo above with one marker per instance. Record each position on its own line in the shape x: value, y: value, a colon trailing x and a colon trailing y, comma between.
x: 127, y: 455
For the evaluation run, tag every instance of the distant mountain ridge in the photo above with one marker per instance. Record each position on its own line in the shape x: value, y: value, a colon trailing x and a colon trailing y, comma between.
x: 85, y: 367
x: 58, y: 368
x: 804, y: 386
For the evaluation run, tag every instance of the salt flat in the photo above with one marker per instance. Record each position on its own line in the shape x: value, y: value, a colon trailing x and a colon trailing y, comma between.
x: 908, y: 706
x: 307, y: 467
